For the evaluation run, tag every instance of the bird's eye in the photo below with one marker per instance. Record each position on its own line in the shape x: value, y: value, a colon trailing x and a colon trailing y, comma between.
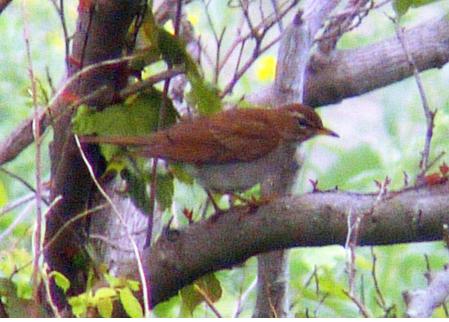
x: 303, y: 122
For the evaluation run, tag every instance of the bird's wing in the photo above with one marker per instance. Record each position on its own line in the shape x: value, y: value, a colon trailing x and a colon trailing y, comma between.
x: 243, y: 139
x: 189, y: 142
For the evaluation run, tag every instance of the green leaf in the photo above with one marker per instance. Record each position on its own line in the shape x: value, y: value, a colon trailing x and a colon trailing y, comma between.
x: 420, y: 3
x: 113, y: 281
x: 139, y: 115
x: 155, y: 42
x: 137, y: 188
x: 168, y: 308
x: 133, y: 285
x: 165, y: 190
x: 130, y: 303
x: 60, y: 280
x: 178, y: 171
x: 203, y: 95
x: 105, y: 292
x: 172, y: 48
x: 105, y: 307
x: 401, y: 7
x: 3, y: 194
x: 192, y: 295
x: 79, y: 304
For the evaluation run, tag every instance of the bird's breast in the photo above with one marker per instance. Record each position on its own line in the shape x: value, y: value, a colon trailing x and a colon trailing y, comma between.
x: 240, y: 176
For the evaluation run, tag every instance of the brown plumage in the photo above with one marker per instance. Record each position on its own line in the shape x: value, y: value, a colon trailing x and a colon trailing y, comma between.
x: 237, y: 135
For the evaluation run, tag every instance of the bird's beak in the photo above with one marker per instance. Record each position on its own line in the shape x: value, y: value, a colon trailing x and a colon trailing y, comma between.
x: 324, y: 131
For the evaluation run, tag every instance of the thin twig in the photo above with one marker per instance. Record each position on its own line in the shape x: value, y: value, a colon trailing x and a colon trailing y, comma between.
x: 153, y: 185
x: 342, y: 23
x: 428, y: 113
x: 244, y: 297
x: 37, y: 139
x: 261, y: 28
x: 146, y: 300
x: 21, y: 137
x: 52, y: 304
x: 161, y: 124
x: 208, y: 301
x: 376, y: 284
x: 60, y: 10
x: 218, y: 40
x: 311, y: 277
x: 71, y: 221
x: 350, y: 244
x: 25, y: 212
x: 64, y: 227
x: 18, y: 178
x: 228, y: 89
x: 274, y: 3
x: 110, y: 243
x: 320, y: 303
x: 360, y: 305
x: 16, y: 203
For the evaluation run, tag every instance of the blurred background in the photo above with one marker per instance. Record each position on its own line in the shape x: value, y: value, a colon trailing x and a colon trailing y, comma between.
x: 381, y: 134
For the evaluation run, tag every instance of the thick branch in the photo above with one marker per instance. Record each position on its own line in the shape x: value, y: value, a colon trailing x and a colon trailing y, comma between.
x: 421, y: 303
x: 100, y: 36
x: 291, y: 75
x: 357, y: 71
x: 352, y: 72
x: 315, y: 219
x: 4, y: 4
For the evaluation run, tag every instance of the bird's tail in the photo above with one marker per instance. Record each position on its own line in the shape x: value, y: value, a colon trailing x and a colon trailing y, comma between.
x: 116, y: 140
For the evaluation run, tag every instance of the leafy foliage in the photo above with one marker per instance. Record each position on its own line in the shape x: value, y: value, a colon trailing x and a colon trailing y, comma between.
x: 354, y: 166
x: 401, y: 6
x: 139, y: 115
x: 102, y: 299
x: 206, y: 288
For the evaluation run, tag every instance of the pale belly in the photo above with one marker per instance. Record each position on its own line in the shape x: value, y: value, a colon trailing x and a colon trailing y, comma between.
x: 239, y: 176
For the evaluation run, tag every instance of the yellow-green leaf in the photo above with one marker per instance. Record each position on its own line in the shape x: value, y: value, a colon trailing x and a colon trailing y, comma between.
x: 133, y: 285
x: 203, y: 95
x: 105, y: 307
x: 130, y: 303
x: 401, y: 6
x: 79, y: 305
x: 105, y: 292
x: 60, y: 280
x: 137, y: 116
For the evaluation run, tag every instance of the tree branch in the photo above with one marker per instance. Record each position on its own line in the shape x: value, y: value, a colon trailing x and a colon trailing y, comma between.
x: 316, y: 219
x: 291, y: 76
x: 352, y: 72
x: 4, y: 4
x: 100, y: 36
x: 421, y: 303
x: 346, y: 74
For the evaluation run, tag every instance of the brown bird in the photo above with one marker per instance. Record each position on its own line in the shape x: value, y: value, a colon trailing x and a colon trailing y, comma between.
x: 232, y: 150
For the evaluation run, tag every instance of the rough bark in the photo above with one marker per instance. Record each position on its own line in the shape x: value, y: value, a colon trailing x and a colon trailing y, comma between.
x: 291, y: 77
x: 421, y: 303
x: 100, y: 35
x: 316, y: 219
